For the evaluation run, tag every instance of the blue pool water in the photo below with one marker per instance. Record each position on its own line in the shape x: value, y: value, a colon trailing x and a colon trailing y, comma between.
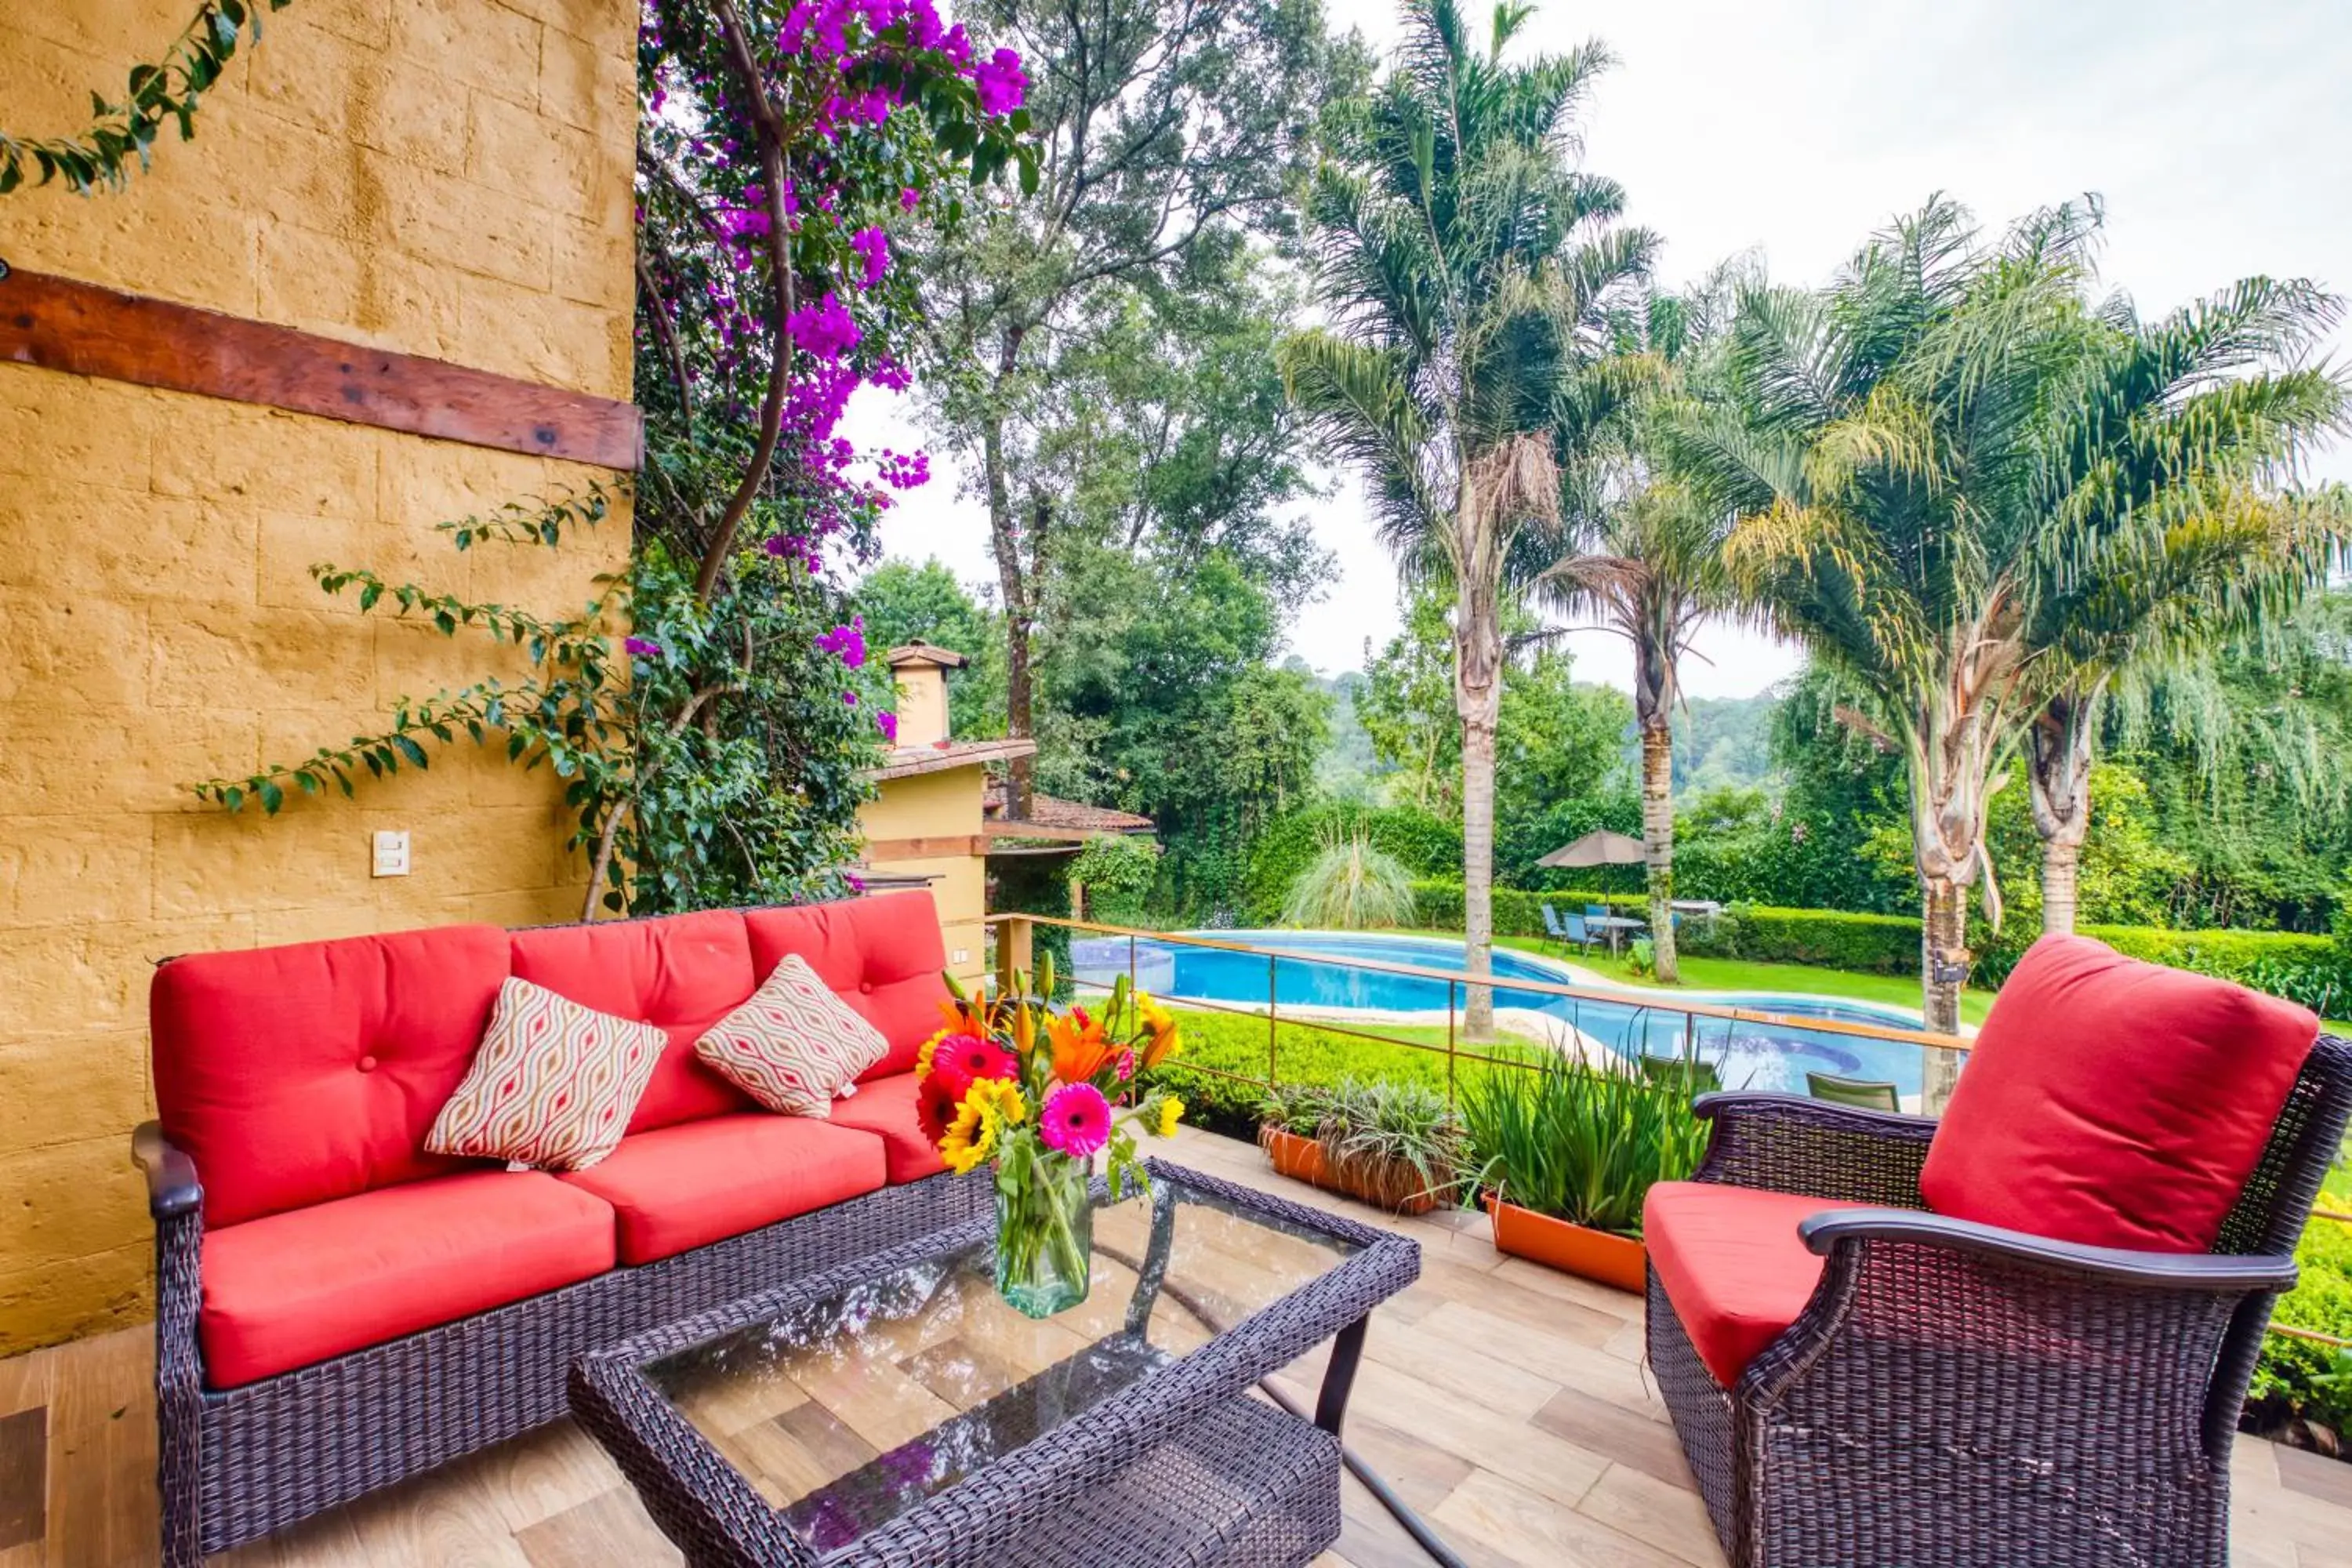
x: 1748, y: 1055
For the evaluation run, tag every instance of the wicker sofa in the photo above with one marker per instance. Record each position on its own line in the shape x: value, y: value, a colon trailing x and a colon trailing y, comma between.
x: 338, y: 1309
x: 1856, y: 1378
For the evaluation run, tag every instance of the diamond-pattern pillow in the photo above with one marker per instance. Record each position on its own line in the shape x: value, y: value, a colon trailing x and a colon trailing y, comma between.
x: 794, y: 1044
x: 553, y: 1085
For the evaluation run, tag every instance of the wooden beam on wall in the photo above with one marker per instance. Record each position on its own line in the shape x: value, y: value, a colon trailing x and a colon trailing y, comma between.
x: 84, y: 329
x: 878, y: 851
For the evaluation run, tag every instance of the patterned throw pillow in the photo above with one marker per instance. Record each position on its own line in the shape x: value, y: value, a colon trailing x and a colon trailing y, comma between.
x: 794, y: 1044
x: 553, y: 1085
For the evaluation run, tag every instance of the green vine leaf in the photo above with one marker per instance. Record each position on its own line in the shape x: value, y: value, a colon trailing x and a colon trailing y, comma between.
x: 120, y: 133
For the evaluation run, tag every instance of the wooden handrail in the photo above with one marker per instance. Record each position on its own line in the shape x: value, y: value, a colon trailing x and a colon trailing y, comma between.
x: 1922, y: 1037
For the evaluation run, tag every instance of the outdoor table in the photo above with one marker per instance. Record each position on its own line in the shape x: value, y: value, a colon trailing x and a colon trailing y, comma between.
x: 898, y: 1410
x: 1615, y: 926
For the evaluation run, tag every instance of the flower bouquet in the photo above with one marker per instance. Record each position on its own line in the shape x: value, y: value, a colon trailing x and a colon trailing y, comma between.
x: 1040, y: 1092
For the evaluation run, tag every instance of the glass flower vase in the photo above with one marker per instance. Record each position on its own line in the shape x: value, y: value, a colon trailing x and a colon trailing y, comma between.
x: 1044, y: 1232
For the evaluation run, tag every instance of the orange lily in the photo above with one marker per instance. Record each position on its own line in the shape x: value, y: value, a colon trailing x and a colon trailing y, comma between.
x: 1080, y: 1048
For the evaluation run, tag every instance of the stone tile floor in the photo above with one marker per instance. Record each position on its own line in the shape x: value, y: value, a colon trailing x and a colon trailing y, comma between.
x: 1506, y: 1402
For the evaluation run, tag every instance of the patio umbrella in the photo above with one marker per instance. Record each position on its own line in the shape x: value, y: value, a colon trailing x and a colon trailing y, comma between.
x: 1597, y: 848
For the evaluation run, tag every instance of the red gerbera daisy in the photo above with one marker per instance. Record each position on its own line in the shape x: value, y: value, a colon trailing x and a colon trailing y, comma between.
x: 935, y: 1107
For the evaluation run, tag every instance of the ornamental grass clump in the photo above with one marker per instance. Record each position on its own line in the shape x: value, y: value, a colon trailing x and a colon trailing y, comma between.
x: 1390, y: 1141
x: 1580, y: 1143
x: 1350, y: 885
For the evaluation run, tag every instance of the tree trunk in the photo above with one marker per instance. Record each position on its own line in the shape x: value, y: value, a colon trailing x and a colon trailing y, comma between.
x: 1943, y: 967
x: 1658, y: 840
x: 2058, y: 776
x: 1016, y: 580
x: 1478, y: 698
x: 1478, y: 859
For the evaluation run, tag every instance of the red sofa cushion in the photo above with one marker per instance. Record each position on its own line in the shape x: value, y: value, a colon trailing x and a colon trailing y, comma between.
x: 886, y: 1107
x: 883, y: 954
x: 680, y: 1188
x: 1730, y: 1262
x: 2114, y: 1102
x: 298, y: 1075
x: 294, y: 1289
x: 681, y: 972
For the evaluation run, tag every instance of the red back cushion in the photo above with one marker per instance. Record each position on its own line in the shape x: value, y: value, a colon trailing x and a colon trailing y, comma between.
x: 682, y: 973
x: 295, y: 1075
x: 2113, y: 1102
x: 883, y: 955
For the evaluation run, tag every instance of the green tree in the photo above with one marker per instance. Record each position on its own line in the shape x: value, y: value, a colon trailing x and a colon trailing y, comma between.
x: 1892, y: 443
x: 1407, y: 706
x: 903, y: 603
x: 1469, y: 269
x: 1170, y: 131
x: 2162, y: 531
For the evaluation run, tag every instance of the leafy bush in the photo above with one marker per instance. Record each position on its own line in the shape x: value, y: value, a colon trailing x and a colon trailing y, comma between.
x: 1832, y: 939
x: 2311, y: 970
x: 1221, y: 1071
x: 1424, y: 846
x: 1119, y: 871
x: 2301, y: 1379
x: 1438, y: 907
x: 1581, y: 1145
x: 1351, y: 885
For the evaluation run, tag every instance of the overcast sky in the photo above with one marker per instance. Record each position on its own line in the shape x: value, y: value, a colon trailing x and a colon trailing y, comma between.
x: 2220, y: 135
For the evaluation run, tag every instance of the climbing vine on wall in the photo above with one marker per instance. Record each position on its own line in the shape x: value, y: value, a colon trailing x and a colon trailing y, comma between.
x: 164, y: 93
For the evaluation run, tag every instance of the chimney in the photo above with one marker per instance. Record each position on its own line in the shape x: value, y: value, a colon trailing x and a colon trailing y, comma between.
x: 920, y: 671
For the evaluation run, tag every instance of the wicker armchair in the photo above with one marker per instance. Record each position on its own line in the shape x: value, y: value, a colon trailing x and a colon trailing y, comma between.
x: 1957, y: 1393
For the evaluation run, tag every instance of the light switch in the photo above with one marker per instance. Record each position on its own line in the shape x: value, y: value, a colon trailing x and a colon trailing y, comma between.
x: 391, y: 853
x: 962, y: 955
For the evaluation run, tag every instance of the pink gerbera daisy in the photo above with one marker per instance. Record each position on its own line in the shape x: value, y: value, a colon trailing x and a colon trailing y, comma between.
x: 960, y: 1060
x: 1076, y: 1120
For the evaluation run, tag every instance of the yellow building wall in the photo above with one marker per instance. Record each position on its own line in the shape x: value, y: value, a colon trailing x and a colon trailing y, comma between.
x: 944, y: 804
x: 443, y: 177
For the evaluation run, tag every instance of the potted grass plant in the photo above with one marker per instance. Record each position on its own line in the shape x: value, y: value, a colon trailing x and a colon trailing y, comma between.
x: 1396, y: 1146
x: 1568, y: 1152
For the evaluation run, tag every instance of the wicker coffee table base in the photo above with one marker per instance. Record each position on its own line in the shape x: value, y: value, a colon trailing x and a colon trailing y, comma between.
x: 1248, y: 1486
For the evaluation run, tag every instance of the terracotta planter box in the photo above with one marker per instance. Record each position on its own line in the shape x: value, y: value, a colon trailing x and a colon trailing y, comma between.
x: 1598, y: 1255
x: 1383, y: 1184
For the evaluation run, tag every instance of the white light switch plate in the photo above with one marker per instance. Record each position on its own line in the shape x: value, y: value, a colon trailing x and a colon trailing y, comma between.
x: 391, y: 854
x: 962, y: 955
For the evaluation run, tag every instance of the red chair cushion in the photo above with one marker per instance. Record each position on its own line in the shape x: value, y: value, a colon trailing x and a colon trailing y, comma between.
x: 682, y: 973
x: 884, y: 955
x: 680, y: 1188
x: 886, y: 1107
x: 1730, y: 1262
x: 2113, y: 1102
x: 299, y: 1288
x: 297, y: 1075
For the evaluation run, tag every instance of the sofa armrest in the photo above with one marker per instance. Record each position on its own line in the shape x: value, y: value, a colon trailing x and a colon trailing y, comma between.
x: 1792, y: 1144
x: 172, y: 1189
x: 2219, y: 1272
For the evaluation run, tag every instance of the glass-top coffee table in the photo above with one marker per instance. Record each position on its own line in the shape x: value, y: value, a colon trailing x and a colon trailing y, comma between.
x: 896, y: 1411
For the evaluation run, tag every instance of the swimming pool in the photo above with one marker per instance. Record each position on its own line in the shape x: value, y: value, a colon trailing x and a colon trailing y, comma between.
x: 1748, y: 1055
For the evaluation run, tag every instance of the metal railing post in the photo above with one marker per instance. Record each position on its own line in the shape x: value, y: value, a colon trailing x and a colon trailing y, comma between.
x: 1272, y: 1007
x: 1450, y: 988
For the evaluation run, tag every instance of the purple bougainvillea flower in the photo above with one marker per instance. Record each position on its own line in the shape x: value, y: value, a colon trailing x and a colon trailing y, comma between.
x: 643, y: 647
x: 908, y: 199
x: 888, y: 724
x: 1000, y: 82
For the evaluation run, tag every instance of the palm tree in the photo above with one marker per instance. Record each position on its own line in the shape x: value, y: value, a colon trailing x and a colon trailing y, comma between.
x: 1898, y: 448
x: 2164, y: 534
x: 1874, y: 439
x: 1469, y: 272
x: 1651, y: 569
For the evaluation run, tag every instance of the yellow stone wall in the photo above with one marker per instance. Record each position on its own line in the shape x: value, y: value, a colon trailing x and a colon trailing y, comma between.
x: 444, y: 177
x: 944, y: 804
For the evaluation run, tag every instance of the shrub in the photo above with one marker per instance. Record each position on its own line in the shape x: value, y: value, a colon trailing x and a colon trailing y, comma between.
x: 1221, y: 1071
x: 1424, y: 846
x: 2311, y: 970
x: 2301, y: 1379
x: 1352, y: 885
x: 1374, y: 1131
x: 1438, y: 907
x: 1832, y: 939
x: 1118, y: 871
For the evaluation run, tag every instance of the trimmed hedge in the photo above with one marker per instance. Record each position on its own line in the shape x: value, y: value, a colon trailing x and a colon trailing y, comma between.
x: 1832, y: 939
x: 2311, y: 969
x: 1236, y: 1043
x: 1437, y: 906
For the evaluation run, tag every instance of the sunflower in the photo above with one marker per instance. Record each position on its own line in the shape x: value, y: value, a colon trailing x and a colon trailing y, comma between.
x: 998, y: 1100
x: 1171, y: 1112
x: 970, y: 1139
